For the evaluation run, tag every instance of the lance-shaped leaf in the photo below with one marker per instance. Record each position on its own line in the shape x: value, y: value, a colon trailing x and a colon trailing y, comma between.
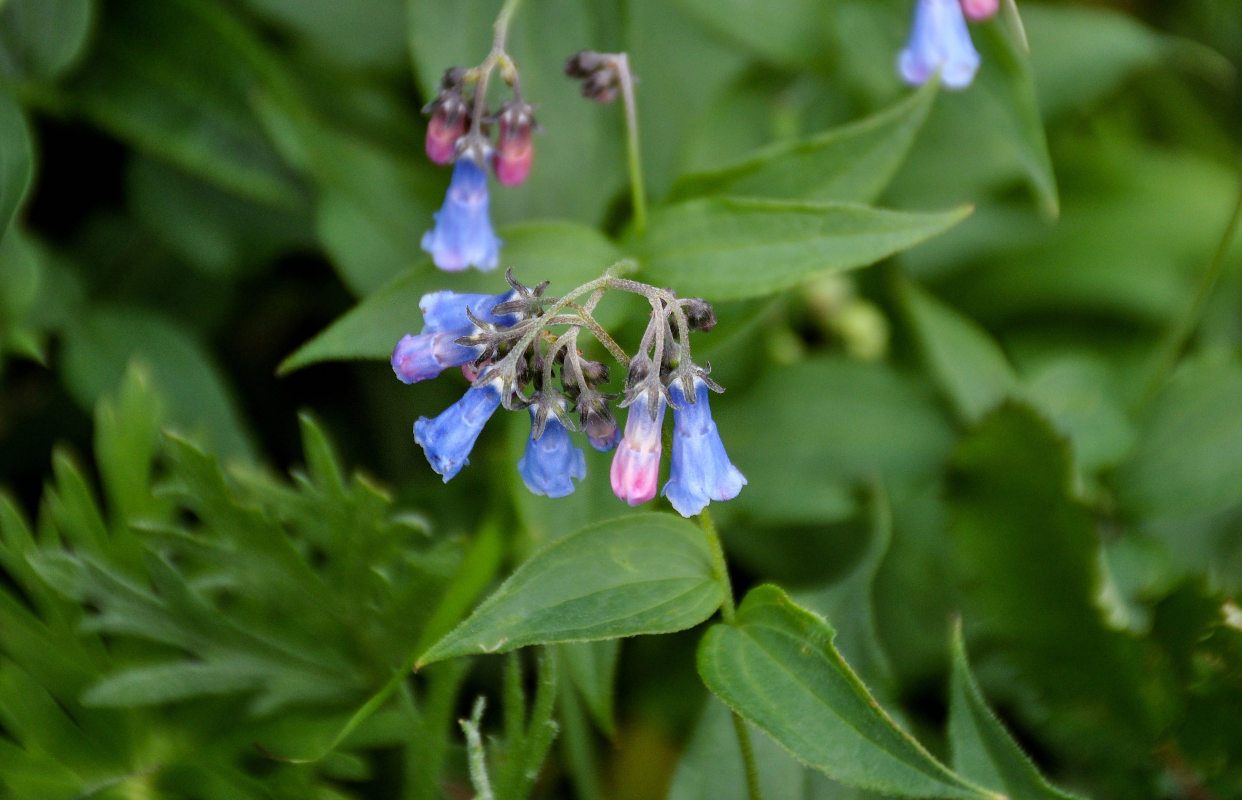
x: 15, y: 160
x: 733, y: 248
x: 982, y: 749
x: 777, y: 667
x: 852, y: 163
x: 645, y: 573
x: 965, y: 360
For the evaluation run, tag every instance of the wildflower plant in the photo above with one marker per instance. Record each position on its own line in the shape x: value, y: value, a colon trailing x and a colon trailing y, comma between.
x: 956, y: 422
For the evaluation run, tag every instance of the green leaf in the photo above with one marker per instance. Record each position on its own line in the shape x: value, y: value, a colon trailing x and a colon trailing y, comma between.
x: 965, y: 360
x: 1188, y: 459
x: 850, y: 601
x: 982, y: 749
x: 639, y: 574
x: 16, y: 159
x: 592, y: 669
x: 852, y: 163
x: 868, y: 419
x: 1006, y: 91
x: 712, y: 769
x: 734, y: 248
x: 357, y: 36
x: 99, y: 346
x: 1081, y: 395
x: 785, y: 32
x: 174, y: 78
x: 175, y: 681
x: 1080, y: 53
x: 39, y: 39
x: 565, y: 253
x: 1028, y: 553
x: 373, y: 203
x: 777, y: 667
x: 126, y: 440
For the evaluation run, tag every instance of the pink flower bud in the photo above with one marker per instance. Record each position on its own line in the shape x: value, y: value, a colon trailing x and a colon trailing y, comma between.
x: 513, y: 146
x: 980, y: 9
x: 442, y: 135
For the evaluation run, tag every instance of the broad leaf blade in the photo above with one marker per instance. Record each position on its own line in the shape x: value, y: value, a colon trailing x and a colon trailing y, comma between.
x: 733, y: 248
x: 39, y: 39
x: 639, y: 574
x: 777, y: 667
x: 852, y: 163
x: 982, y: 749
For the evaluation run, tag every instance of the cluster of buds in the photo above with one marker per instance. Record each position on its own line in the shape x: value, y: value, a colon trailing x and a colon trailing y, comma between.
x: 600, y: 73
x: 940, y: 40
x: 520, y: 351
x: 460, y: 133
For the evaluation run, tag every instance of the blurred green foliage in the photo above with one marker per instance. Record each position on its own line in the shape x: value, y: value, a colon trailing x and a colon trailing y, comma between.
x: 1024, y: 416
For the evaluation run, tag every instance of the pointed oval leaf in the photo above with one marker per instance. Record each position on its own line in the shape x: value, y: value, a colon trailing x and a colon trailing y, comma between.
x: 982, y: 749
x: 852, y: 163
x: 777, y: 667
x: 734, y: 248
x: 645, y: 573
x: 965, y: 360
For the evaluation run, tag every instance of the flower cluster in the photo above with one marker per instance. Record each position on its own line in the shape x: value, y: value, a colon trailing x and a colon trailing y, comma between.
x: 460, y: 133
x: 940, y: 40
x: 521, y: 350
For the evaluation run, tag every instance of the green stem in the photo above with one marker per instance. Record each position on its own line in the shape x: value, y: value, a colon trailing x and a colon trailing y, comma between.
x: 1175, y: 342
x: 728, y: 612
x: 720, y: 569
x: 634, y: 159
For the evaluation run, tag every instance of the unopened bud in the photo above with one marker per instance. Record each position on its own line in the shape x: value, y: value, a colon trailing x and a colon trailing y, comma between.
x: 596, y: 372
x: 582, y: 64
x: 514, y: 149
x: 980, y: 9
x: 453, y: 78
x: 699, y: 314
x: 601, y: 86
x: 449, y: 115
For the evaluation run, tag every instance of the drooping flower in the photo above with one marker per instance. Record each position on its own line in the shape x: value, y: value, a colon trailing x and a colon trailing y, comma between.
x: 417, y: 358
x: 980, y: 9
x: 636, y: 464
x: 462, y: 236
x: 446, y: 311
x: 445, y: 320
x: 551, y: 460
x: 939, y: 40
x: 448, y: 438
x: 701, y: 470
x: 513, y: 144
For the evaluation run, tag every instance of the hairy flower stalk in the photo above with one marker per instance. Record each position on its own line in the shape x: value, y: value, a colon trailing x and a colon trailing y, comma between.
x: 521, y: 347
